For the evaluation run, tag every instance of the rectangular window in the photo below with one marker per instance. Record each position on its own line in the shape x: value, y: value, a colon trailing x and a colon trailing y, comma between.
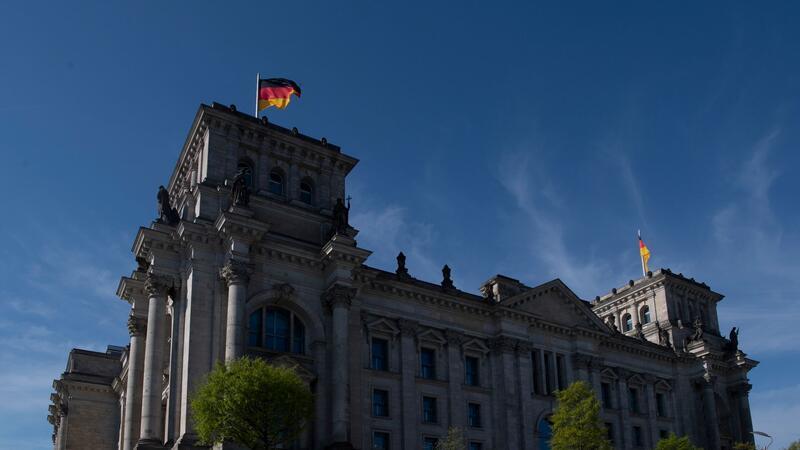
x: 474, y: 415
x: 380, y: 403
x: 561, y: 368
x: 637, y: 436
x: 471, y: 368
x: 429, y: 443
x: 610, y: 432
x: 606, y: 393
x: 633, y: 400
x: 380, y: 354
x: 661, y: 404
x: 663, y: 434
x: 427, y: 363
x: 537, y: 381
x: 380, y: 441
x: 475, y: 446
x: 429, y: 409
x: 548, y: 372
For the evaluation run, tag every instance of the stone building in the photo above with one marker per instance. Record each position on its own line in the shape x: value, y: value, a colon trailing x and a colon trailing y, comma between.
x: 253, y: 255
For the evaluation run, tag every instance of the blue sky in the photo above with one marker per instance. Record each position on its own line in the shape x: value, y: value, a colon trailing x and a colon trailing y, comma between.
x: 526, y: 139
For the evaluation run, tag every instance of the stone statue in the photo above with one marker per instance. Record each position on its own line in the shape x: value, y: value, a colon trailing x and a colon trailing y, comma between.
x: 663, y: 336
x: 734, y: 338
x: 166, y: 213
x: 447, y: 282
x: 401, y: 265
x: 341, y: 216
x: 240, y: 192
x: 612, y: 324
x: 698, y: 330
x: 639, y: 333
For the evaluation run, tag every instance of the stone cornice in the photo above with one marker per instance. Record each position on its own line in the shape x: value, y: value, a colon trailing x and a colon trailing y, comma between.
x: 236, y: 226
x: 131, y: 289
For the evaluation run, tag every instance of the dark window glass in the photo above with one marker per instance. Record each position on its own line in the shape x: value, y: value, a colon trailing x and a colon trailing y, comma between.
x: 276, y: 182
x: 626, y: 319
x: 427, y: 363
x: 661, y: 404
x: 633, y: 400
x: 307, y: 192
x: 277, y: 330
x: 645, y: 315
x: 429, y: 443
x: 380, y: 353
x: 663, y: 434
x: 606, y: 392
x: 380, y: 441
x: 562, y: 372
x: 255, y: 329
x: 474, y: 414
x: 610, y: 431
x: 637, y: 436
x: 380, y: 403
x: 548, y: 373
x: 475, y: 446
x: 471, y: 369
x: 429, y: 409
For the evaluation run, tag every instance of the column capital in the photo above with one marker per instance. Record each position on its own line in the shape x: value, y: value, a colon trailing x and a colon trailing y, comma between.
x: 454, y: 338
x: 157, y: 285
x: 524, y: 347
x: 236, y: 272
x: 408, y: 327
x: 137, y: 326
x: 503, y: 344
x: 338, y: 296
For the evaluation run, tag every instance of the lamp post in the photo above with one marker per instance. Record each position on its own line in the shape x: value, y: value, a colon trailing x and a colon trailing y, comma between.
x: 761, y: 433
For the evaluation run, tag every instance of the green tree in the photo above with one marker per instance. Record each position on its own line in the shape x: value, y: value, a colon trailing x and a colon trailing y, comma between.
x: 576, y: 420
x: 794, y: 445
x: 674, y: 442
x: 744, y: 446
x: 453, y: 441
x: 252, y: 403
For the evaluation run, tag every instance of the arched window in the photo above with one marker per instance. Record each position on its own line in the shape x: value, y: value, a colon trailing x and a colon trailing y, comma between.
x: 246, y: 167
x: 628, y: 322
x: 276, y: 182
x: 645, y: 314
x: 307, y: 191
x: 545, y: 428
x: 276, y: 329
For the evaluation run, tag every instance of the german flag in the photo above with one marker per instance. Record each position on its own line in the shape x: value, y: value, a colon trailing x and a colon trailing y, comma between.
x: 276, y: 92
x: 644, y: 252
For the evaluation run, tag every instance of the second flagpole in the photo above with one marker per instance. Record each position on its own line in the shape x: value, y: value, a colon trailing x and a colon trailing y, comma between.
x: 258, y: 83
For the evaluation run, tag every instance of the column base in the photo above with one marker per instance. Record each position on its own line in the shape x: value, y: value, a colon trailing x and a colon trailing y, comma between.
x: 340, y: 446
x: 149, y: 444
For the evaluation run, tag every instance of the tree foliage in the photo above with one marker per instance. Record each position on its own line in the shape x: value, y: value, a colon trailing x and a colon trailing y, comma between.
x: 453, y: 441
x: 744, y: 446
x: 673, y: 442
x: 576, y: 420
x: 252, y: 403
x: 794, y: 445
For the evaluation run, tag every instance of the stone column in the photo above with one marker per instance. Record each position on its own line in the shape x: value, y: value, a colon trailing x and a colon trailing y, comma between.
x: 133, y: 389
x: 650, y: 397
x: 455, y: 366
x: 408, y: 367
x: 710, y: 409
x: 236, y: 274
x: 525, y: 391
x: 150, y: 433
x: 338, y: 298
x: 624, y: 409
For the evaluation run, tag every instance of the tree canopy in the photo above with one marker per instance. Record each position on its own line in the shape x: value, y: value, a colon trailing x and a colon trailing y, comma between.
x: 576, y: 420
x: 673, y: 442
x: 453, y: 441
x: 252, y: 403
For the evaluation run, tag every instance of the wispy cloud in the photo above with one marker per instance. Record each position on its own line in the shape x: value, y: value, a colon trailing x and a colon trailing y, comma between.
x: 535, y: 195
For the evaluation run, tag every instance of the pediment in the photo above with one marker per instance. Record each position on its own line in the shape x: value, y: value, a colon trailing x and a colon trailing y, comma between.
x: 476, y: 345
x: 555, y: 302
x: 663, y: 385
x: 384, y: 326
x: 609, y: 373
x: 635, y: 379
x: 432, y: 336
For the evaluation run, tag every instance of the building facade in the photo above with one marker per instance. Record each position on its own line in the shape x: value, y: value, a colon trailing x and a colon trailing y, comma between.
x: 253, y: 255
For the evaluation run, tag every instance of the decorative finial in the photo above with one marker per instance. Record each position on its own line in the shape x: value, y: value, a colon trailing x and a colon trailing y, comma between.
x: 232, y: 107
x: 401, y: 266
x: 447, y: 282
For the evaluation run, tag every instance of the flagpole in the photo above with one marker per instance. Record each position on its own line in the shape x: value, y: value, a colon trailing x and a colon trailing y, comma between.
x: 258, y: 82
